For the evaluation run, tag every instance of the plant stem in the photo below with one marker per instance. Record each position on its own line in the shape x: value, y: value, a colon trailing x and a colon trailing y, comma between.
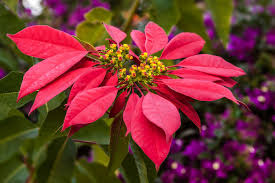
x: 133, y: 9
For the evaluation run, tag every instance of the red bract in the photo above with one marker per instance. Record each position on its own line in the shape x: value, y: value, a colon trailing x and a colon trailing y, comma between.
x: 149, y: 97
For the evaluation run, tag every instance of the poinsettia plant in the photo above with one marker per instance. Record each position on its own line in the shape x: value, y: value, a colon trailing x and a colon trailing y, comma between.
x: 113, y: 79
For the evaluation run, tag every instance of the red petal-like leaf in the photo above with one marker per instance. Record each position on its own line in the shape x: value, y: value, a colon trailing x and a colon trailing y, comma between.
x: 193, y: 74
x: 110, y: 80
x: 89, y: 80
x: 199, y: 89
x: 119, y: 104
x: 116, y: 34
x: 162, y: 113
x: 150, y: 138
x: 89, y: 105
x: 46, y: 71
x: 212, y: 65
x: 183, y: 45
x: 228, y: 82
x: 129, y: 111
x: 183, y: 105
x: 139, y: 38
x: 42, y: 41
x: 54, y: 88
x: 102, y: 47
x: 156, y: 38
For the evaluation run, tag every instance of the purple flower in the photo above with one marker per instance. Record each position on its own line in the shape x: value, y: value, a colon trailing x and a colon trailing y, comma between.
x: 2, y: 73
x: 271, y: 10
x: 60, y: 9
x: 194, y: 149
x: 261, y: 99
x: 168, y: 176
x: 270, y: 37
x: 77, y: 15
x: 210, y: 26
x: 98, y: 3
x: 241, y: 47
x: 176, y: 145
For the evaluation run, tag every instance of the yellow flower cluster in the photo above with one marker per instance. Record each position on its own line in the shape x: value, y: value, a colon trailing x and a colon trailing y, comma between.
x: 116, y: 57
x: 149, y: 67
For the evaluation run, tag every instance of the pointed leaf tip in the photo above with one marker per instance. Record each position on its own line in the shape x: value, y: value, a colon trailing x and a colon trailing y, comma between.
x: 183, y: 45
x: 150, y: 138
x: 42, y: 41
x: 156, y: 38
x: 116, y: 34
x: 162, y: 113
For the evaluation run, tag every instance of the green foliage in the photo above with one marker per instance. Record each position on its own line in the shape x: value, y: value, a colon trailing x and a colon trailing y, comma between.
x: 97, y: 132
x: 14, y: 131
x: 221, y: 11
x: 13, y: 171
x: 91, y: 29
x: 10, y: 23
x: 192, y: 21
x: 93, y: 172
x: 119, y: 143
x: 165, y: 13
x: 7, y: 60
x: 59, y: 164
x: 11, y: 82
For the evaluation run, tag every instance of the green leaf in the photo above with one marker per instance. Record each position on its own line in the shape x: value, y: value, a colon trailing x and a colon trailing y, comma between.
x: 99, y: 155
x: 92, y: 29
x: 129, y: 170
x: 146, y: 169
x: 56, y: 101
x: 13, y: 132
x: 192, y: 21
x: 7, y: 60
x: 90, y: 32
x: 98, y: 15
x: 50, y: 129
x: 12, y: 4
x: 59, y: 164
x: 98, y: 132
x: 221, y: 11
x: 119, y: 144
x: 94, y: 172
x: 165, y: 13
x: 86, y: 45
x: 10, y: 23
x: 8, y: 103
x: 13, y: 171
x: 11, y: 82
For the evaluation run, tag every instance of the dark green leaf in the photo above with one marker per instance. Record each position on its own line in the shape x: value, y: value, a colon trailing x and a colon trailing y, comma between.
x: 95, y: 172
x: 192, y: 21
x: 12, y: 4
x: 90, y: 32
x: 59, y: 164
x: 7, y: 60
x: 129, y: 170
x: 119, y: 144
x: 97, y: 132
x: 98, y: 15
x: 14, y: 131
x: 146, y: 169
x: 13, y: 171
x: 56, y: 101
x: 92, y: 29
x: 221, y: 11
x: 11, y: 82
x: 165, y: 13
x: 9, y: 22
x: 8, y: 103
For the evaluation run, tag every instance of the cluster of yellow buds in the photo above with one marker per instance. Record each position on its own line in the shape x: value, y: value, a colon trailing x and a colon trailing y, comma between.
x: 149, y: 67
x: 116, y: 57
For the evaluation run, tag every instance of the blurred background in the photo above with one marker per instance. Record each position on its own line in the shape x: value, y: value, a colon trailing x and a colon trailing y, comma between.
x: 235, y: 144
